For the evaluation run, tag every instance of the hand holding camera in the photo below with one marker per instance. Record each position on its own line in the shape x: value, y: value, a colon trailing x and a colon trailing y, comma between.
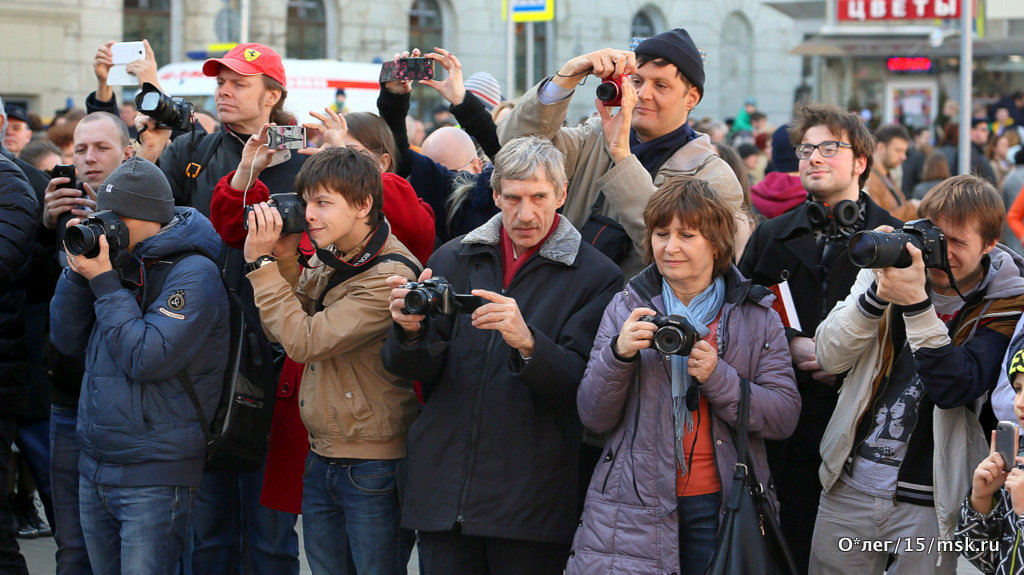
x: 502, y: 314
x: 269, y: 225
x: 452, y: 88
x: 90, y: 243
x: 332, y: 129
x: 410, y: 323
x: 602, y: 63
x: 619, y: 91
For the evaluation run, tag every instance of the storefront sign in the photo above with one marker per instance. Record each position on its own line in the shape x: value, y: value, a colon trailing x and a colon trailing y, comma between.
x: 871, y: 10
x: 912, y: 64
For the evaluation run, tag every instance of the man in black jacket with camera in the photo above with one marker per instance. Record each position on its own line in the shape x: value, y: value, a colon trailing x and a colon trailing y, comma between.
x: 492, y: 458
x: 804, y: 251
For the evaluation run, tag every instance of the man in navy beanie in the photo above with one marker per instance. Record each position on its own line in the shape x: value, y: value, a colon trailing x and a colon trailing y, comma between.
x: 615, y: 162
x: 140, y: 433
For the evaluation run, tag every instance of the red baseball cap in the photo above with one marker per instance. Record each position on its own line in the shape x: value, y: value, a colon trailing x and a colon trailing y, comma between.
x: 249, y: 60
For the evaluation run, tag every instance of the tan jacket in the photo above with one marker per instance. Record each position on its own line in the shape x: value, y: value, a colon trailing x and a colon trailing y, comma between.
x: 627, y: 186
x: 349, y: 404
x: 891, y: 199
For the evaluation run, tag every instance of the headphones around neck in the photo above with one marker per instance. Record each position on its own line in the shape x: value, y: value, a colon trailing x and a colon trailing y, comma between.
x: 822, y: 215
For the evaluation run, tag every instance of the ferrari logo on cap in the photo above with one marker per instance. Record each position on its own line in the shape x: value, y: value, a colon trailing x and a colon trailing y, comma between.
x: 251, y: 54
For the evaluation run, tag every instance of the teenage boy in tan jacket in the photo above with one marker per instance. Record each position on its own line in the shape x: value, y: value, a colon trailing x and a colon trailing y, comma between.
x: 357, y: 414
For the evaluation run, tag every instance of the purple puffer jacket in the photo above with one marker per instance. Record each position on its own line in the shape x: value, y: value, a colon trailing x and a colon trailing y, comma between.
x: 629, y: 522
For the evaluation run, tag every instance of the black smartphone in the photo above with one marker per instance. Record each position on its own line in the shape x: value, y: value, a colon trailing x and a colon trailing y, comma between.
x: 407, y: 69
x: 1007, y: 443
x: 65, y: 171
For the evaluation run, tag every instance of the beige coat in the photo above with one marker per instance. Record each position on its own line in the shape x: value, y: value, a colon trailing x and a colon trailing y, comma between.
x: 348, y: 403
x: 627, y: 186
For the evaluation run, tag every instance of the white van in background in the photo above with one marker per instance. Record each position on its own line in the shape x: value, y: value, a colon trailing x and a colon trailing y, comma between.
x: 312, y: 85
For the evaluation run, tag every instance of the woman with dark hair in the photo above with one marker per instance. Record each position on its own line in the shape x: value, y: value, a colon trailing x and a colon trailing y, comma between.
x: 666, y: 472
x: 936, y: 169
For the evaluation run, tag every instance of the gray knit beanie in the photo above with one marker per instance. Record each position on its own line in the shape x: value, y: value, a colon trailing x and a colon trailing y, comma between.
x: 137, y: 189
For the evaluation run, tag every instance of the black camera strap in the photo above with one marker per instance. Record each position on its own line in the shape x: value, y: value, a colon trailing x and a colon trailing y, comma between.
x: 370, y: 256
x: 204, y: 151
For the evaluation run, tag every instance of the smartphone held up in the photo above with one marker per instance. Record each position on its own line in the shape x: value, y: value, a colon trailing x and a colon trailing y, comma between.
x: 1007, y: 443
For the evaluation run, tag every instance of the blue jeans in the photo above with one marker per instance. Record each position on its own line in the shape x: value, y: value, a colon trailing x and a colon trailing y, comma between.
x: 72, y: 558
x: 351, y: 509
x: 33, y: 441
x: 233, y: 533
x: 138, y: 530
x: 698, y: 526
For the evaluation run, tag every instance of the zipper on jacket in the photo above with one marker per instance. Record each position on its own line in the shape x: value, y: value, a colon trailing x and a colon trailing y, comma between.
x: 474, y: 433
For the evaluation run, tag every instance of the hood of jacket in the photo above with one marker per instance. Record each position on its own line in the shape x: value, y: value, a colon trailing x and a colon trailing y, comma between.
x: 777, y: 193
x: 1006, y: 269
x: 189, y: 231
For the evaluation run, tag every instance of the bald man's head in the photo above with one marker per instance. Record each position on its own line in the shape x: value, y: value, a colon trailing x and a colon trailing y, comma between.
x: 453, y: 149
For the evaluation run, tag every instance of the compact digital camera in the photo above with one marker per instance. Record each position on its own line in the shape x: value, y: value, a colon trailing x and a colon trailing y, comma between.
x: 674, y: 336
x: 84, y: 238
x: 292, y: 210
x: 437, y: 297
x: 609, y: 90
x: 873, y: 249
x: 173, y: 113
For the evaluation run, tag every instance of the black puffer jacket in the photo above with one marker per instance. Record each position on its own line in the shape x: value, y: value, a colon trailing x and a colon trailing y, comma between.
x: 495, y: 448
x: 19, y: 217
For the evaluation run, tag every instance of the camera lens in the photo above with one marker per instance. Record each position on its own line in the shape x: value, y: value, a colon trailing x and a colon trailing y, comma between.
x: 150, y: 101
x: 83, y: 240
x: 419, y: 301
x: 607, y: 91
x: 668, y: 340
x: 880, y: 250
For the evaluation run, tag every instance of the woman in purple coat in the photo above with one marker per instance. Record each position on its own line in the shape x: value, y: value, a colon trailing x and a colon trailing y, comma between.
x: 657, y: 495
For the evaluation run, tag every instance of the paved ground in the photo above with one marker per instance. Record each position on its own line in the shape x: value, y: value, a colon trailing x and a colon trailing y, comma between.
x: 39, y: 554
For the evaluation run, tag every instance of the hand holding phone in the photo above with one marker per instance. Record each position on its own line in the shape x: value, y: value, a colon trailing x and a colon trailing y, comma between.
x: 407, y: 69
x: 1007, y: 443
x: 121, y: 54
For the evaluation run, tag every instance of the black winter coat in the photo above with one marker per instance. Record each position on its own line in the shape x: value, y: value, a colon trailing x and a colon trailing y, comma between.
x: 19, y: 218
x: 496, y: 446
x: 785, y: 248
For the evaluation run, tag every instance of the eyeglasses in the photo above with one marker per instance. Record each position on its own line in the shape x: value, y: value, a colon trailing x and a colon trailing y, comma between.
x: 827, y: 149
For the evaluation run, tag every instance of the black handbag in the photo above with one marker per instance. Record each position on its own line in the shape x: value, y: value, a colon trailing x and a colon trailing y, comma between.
x: 750, y: 540
x: 606, y: 234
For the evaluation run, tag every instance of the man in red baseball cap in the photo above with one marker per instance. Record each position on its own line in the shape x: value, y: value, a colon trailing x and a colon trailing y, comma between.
x: 249, y: 60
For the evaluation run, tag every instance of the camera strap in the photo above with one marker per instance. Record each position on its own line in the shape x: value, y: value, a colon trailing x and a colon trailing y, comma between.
x: 370, y: 256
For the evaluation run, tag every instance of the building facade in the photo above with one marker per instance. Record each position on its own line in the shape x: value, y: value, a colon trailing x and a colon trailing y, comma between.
x: 48, y: 45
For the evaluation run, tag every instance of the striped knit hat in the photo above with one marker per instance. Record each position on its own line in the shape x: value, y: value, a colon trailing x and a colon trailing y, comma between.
x: 485, y: 87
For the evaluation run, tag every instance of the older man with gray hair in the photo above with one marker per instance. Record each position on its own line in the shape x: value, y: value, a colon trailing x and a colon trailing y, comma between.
x: 492, y: 457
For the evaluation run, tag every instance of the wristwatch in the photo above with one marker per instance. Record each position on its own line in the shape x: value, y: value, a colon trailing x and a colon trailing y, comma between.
x: 260, y: 262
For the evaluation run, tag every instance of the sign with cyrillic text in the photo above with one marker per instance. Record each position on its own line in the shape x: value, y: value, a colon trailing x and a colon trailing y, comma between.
x: 872, y: 10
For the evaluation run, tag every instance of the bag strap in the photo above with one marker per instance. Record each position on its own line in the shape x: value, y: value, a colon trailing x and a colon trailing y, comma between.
x: 743, y: 427
x: 205, y: 150
x: 151, y: 288
x: 341, y: 275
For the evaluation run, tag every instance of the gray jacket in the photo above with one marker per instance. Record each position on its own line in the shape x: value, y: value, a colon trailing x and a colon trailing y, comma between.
x: 627, y: 186
x: 630, y: 523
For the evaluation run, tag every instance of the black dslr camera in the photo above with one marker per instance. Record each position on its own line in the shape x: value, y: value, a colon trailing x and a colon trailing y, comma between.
x: 84, y: 239
x: 436, y: 297
x: 292, y: 210
x: 173, y: 113
x: 674, y: 336
x: 873, y: 249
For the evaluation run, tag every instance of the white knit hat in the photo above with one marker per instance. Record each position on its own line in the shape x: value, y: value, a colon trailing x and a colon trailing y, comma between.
x: 485, y: 87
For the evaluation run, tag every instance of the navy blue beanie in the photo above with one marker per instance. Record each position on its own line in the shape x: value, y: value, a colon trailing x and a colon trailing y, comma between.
x: 677, y: 47
x: 783, y: 153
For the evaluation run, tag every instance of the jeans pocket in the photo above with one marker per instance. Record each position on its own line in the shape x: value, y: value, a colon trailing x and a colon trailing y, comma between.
x: 373, y: 477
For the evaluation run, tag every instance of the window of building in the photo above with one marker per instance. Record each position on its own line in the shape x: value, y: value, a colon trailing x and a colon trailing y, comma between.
x: 540, y: 57
x: 150, y: 20
x: 643, y: 26
x: 426, y: 30
x: 307, y: 31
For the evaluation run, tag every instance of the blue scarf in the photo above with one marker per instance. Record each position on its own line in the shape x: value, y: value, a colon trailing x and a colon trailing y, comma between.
x: 703, y: 310
x: 653, y: 153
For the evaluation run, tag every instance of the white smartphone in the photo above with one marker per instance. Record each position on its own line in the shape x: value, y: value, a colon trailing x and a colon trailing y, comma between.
x: 123, y: 53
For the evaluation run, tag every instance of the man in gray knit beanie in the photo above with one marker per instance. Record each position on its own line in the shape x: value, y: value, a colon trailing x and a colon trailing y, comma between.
x: 137, y: 189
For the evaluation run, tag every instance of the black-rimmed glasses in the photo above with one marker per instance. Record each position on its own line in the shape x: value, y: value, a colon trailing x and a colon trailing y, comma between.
x: 827, y: 149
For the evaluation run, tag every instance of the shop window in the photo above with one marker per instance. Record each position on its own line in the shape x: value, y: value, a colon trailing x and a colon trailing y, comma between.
x: 150, y: 20
x: 307, y: 32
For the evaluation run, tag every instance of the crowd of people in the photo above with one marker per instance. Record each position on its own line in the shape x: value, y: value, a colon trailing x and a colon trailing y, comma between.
x: 518, y: 345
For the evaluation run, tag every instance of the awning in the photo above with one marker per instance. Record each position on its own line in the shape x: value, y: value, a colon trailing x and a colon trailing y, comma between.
x: 799, y: 9
x: 886, y: 46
